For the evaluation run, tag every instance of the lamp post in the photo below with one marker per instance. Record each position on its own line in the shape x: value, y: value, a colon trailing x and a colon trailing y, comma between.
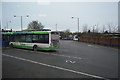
x: 21, y: 17
x: 77, y: 23
x: 56, y: 26
x: 7, y: 24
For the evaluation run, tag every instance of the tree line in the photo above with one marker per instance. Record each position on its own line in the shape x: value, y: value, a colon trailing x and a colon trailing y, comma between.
x: 94, y: 31
x: 35, y: 25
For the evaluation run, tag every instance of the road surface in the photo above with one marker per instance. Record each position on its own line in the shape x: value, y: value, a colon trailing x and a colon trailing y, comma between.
x: 73, y: 60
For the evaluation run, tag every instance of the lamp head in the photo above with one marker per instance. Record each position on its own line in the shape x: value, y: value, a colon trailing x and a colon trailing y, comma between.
x: 72, y: 17
x: 14, y: 15
x: 27, y: 15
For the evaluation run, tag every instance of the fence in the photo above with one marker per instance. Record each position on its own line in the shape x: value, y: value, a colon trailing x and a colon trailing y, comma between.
x: 103, y: 40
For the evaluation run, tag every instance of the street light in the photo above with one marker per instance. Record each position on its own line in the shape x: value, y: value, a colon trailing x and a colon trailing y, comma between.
x: 77, y: 22
x: 21, y: 19
x: 7, y: 24
x: 56, y: 26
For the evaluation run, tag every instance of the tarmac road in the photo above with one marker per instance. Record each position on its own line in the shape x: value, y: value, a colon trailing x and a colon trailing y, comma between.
x: 73, y: 60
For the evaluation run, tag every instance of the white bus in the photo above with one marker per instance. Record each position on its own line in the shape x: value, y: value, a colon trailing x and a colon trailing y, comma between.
x: 36, y: 40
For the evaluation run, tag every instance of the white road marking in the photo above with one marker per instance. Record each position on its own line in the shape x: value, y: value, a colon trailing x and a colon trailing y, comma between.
x: 89, y: 45
x: 56, y: 67
x: 61, y: 55
x: 70, y: 61
x: 54, y: 54
x: 93, y: 46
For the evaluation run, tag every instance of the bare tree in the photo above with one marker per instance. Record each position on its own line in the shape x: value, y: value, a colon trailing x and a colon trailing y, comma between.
x: 103, y: 28
x: 118, y: 29
x: 67, y: 32
x: 115, y: 28
x: 93, y: 28
x: 85, y: 28
x: 35, y: 25
x: 96, y: 28
x: 109, y: 27
x: 112, y: 28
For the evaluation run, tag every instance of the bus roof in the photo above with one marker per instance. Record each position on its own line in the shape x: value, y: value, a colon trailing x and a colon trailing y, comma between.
x: 37, y: 30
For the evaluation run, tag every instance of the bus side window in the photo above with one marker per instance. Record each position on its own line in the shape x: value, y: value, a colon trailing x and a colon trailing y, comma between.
x: 35, y: 38
x: 22, y: 38
x: 9, y: 38
x: 41, y: 38
x: 44, y: 38
x: 19, y: 38
x: 12, y: 38
x: 28, y: 38
x: 15, y: 38
x: 6, y: 37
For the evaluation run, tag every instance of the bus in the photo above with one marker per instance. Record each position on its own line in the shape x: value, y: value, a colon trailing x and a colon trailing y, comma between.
x: 36, y: 40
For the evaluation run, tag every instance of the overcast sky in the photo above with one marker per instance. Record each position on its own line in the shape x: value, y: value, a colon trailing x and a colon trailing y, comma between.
x: 60, y: 13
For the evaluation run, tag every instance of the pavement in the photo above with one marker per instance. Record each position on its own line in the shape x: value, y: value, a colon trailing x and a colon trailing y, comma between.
x: 73, y: 60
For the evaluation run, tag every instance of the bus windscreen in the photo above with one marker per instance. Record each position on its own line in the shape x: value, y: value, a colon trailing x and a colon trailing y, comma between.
x: 55, y: 35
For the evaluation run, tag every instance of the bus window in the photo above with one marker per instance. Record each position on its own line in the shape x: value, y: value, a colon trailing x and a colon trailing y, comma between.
x: 28, y: 38
x: 44, y: 38
x: 12, y: 38
x: 17, y: 38
x: 41, y: 38
x: 35, y: 38
x: 55, y: 35
x: 22, y: 38
x: 6, y: 38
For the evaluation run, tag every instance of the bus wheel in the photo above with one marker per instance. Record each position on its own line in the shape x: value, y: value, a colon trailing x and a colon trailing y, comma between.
x: 11, y: 45
x: 35, y: 48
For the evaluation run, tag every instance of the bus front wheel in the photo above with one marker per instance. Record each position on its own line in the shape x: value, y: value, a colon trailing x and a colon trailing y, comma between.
x: 35, y: 48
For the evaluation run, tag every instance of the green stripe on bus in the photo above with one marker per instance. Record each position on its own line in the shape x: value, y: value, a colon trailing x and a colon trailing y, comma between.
x: 8, y: 33
x: 29, y: 30
x: 23, y: 33
x: 50, y: 48
x: 41, y: 32
x: 26, y: 47
x: 23, y: 47
x: 26, y: 33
